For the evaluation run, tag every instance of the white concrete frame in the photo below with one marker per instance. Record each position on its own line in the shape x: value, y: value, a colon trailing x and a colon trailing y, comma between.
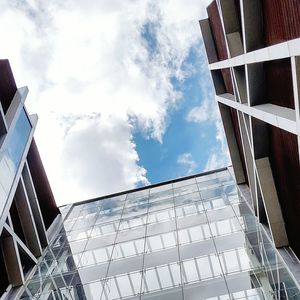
x: 243, y: 49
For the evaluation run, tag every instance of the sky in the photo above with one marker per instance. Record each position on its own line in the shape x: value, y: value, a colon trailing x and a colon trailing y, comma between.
x: 121, y: 88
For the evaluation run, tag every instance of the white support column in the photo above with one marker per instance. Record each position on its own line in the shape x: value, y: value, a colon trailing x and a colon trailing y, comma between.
x: 35, y: 208
x: 27, y: 220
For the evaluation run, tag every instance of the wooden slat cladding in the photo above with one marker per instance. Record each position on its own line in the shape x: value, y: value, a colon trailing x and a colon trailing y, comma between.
x: 279, y: 82
x: 286, y: 171
x: 42, y: 187
x: 8, y: 85
x: 281, y: 20
x: 216, y: 27
x: 235, y: 123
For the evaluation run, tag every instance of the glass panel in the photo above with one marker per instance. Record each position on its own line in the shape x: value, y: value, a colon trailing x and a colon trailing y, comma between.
x: 161, y: 277
x: 166, y: 294
x: 189, y: 210
x: 161, y: 257
x: 95, y: 256
x: 122, y: 286
x: 158, y: 205
x: 186, y: 189
x: 184, y: 182
x: 104, y: 229
x: 125, y: 265
x: 197, y: 249
x: 187, y: 198
x: 127, y: 249
x: 161, y: 216
x: 161, y: 241
x: 127, y: 235
x: 201, y: 268
x: 136, y: 221
x: 161, y: 228
x: 210, y: 290
x: 16, y: 140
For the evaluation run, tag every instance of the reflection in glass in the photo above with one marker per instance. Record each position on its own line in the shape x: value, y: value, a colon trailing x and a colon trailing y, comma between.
x: 162, y: 244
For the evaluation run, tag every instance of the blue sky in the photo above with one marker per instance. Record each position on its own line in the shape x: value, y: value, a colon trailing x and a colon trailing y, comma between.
x: 195, y: 140
x: 121, y: 88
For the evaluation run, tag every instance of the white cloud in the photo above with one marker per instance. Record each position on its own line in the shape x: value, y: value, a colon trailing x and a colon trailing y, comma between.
x: 208, y: 111
x: 81, y: 58
x: 186, y: 160
x: 199, y: 113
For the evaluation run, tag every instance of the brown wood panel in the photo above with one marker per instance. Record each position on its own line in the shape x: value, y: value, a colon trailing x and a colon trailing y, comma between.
x: 281, y: 20
x: 4, y: 283
x: 235, y: 123
x: 284, y: 159
x: 8, y: 85
x: 279, y: 83
x: 42, y: 187
x: 217, y: 31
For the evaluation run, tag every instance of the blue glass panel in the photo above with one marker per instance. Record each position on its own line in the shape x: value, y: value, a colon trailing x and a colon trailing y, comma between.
x: 18, y: 138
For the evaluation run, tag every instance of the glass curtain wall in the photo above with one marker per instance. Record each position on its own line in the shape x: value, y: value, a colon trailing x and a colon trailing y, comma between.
x: 190, y: 239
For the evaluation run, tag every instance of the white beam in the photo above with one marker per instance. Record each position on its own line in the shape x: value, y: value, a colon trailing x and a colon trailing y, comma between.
x: 281, y: 117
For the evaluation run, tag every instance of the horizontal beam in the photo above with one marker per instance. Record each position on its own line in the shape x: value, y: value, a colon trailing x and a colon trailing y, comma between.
x: 278, y: 51
x: 281, y: 117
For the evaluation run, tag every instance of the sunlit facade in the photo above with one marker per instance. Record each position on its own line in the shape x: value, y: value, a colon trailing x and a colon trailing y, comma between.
x: 192, y: 238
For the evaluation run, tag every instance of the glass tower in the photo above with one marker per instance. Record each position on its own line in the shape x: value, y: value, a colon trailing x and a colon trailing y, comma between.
x: 192, y: 238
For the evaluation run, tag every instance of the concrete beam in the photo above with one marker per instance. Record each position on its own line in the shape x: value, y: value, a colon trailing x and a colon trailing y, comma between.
x: 281, y: 117
x: 278, y: 51
x: 271, y: 202
x: 248, y: 154
x: 208, y: 40
x: 232, y: 144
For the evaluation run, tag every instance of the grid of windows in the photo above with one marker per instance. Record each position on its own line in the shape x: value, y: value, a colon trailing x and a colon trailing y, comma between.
x: 192, y: 239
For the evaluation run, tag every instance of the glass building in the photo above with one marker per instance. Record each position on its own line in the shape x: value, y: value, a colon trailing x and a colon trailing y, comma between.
x: 191, y: 238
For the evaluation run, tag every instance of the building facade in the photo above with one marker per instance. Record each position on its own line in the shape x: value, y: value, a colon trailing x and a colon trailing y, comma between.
x: 253, y: 50
x: 192, y: 238
x: 27, y: 206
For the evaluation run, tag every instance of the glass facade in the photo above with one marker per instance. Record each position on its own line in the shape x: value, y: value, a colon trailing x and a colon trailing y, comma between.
x: 193, y: 239
x: 11, y: 156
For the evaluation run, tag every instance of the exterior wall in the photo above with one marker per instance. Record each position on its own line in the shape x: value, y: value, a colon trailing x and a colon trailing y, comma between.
x: 193, y: 238
x: 260, y: 46
x: 23, y: 233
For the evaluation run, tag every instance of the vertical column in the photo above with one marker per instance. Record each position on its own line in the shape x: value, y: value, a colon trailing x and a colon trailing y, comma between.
x: 232, y: 144
x: 27, y: 221
x: 32, y: 198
